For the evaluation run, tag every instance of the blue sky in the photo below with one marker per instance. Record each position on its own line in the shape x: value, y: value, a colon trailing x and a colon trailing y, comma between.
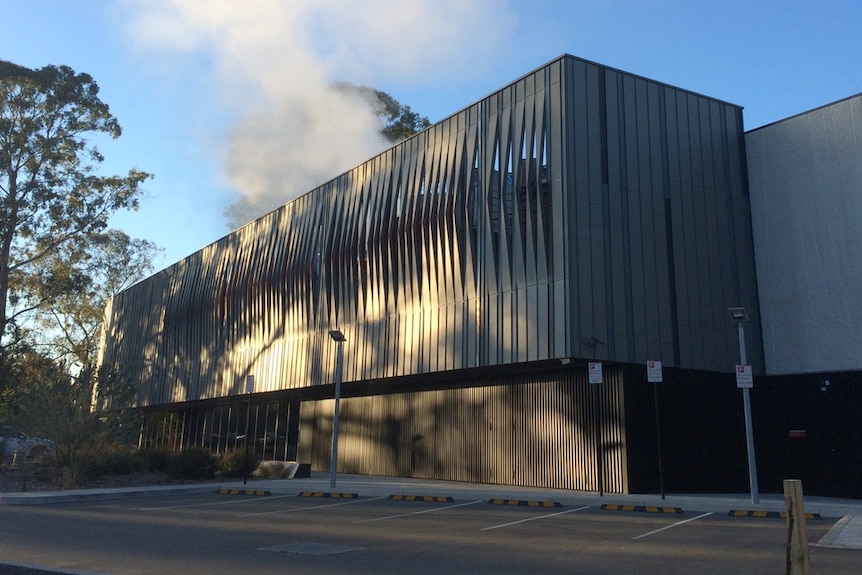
x: 221, y: 99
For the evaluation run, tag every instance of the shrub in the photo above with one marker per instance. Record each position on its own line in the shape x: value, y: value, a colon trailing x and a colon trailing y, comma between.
x: 110, y: 461
x: 237, y: 463
x: 192, y: 463
x: 155, y: 460
x: 120, y: 462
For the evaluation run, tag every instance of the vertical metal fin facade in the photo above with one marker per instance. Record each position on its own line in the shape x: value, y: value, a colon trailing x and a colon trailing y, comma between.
x: 442, y: 253
x: 578, y: 213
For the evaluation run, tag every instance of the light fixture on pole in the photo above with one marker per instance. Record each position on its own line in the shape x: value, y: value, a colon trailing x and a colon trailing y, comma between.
x: 338, y: 337
x: 739, y: 315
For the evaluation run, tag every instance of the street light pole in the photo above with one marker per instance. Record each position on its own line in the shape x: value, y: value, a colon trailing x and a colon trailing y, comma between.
x: 339, y: 339
x: 249, y: 389
x: 739, y: 315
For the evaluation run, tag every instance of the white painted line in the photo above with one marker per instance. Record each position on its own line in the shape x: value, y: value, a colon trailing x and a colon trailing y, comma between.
x: 230, y: 502
x: 536, y: 518
x: 291, y: 510
x: 44, y: 569
x: 677, y: 524
x: 420, y: 512
x: 845, y: 534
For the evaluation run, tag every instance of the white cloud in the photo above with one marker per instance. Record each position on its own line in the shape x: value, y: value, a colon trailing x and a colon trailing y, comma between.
x: 274, y: 62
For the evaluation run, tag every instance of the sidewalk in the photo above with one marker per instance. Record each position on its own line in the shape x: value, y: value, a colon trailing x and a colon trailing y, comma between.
x: 847, y: 532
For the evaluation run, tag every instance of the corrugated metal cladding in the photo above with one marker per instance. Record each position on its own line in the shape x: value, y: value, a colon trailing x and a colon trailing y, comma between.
x: 579, y: 212
x: 533, y: 431
x: 658, y: 223
x: 544, y: 427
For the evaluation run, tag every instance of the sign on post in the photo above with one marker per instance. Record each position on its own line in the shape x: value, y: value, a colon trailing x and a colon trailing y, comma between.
x: 249, y: 384
x: 653, y: 371
x: 744, y: 376
x: 595, y: 369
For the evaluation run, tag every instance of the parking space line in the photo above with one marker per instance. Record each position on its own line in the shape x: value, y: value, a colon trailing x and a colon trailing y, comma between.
x: 292, y: 509
x: 230, y: 502
x: 420, y: 512
x: 536, y: 518
x: 677, y: 524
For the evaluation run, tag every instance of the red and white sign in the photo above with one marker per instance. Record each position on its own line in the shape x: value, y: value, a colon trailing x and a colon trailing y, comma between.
x: 744, y: 376
x: 595, y: 372
x: 653, y: 371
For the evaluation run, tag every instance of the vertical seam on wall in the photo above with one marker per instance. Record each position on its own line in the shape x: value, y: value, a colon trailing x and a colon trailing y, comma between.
x: 626, y: 231
x: 606, y: 216
x: 668, y: 215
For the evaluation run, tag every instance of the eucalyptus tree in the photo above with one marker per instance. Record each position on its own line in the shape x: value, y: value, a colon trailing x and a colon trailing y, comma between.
x: 53, y: 200
x: 93, y: 270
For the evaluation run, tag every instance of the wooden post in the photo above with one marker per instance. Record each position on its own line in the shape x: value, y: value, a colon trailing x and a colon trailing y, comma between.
x: 797, y: 537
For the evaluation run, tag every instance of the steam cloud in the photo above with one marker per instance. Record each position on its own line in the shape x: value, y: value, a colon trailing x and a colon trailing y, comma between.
x: 277, y: 60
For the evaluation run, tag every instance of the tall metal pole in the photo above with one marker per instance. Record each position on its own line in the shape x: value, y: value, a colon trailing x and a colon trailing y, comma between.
x: 658, y: 439
x: 596, y: 378
x: 249, y: 389
x: 749, y: 428
x: 339, y: 355
x: 600, y: 455
x: 245, y: 458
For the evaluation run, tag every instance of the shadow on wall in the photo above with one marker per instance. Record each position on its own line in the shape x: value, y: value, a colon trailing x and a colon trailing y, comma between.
x: 541, y: 433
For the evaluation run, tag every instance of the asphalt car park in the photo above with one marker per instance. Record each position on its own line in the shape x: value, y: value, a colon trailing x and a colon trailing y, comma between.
x: 304, y: 532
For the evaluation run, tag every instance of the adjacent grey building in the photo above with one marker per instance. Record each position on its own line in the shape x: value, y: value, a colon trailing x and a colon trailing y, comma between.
x: 805, y: 174
x: 580, y: 214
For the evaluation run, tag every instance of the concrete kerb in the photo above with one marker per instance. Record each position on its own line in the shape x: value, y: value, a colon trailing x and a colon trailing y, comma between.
x: 76, y: 495
x: 847, y: 533
x: 377, y: 486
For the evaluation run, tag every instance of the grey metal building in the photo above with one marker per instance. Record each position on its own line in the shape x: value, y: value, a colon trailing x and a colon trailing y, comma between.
x: 806, y: 180
x: 580, y: 214
x: 805, y: 176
